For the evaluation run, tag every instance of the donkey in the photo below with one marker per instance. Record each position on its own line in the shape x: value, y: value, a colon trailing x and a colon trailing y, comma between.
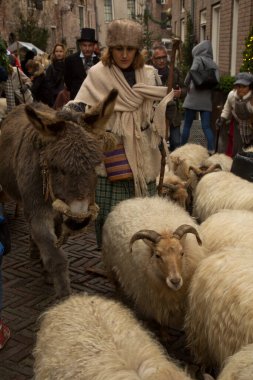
x: 47, y: 163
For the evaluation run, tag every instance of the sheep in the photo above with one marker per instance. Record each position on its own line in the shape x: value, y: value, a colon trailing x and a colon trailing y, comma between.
x: 146, y: 251
x: 185, y: 156
x: 186, y: 162
x: 175, y: 189
x: 221, y: 159
x: 219, y: 318
x: 227, y: 228
x: 88, y: 337
x: 221, y: 190
x: 239, y: 366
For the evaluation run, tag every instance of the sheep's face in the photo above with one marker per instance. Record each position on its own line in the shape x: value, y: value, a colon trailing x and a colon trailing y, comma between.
x: 168, y: 259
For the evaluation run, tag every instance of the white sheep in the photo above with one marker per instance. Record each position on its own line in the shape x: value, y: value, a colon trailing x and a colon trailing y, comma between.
x: 221, y: 159
x: 182, y: 158
x: 88, y: 337
x: 219, y: 320
x: 221, y: 190
x: 175, y: 188
x: 227, y: 228
x: 156, y: 273
x: 239, y: 366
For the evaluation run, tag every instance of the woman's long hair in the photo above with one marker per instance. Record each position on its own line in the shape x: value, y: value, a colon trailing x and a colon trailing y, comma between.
x: 107, y: 59
x: 53, y: 57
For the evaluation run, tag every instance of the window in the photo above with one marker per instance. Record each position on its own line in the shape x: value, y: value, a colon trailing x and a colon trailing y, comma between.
x: 131, y: 8
x: 216, y: 32
x: 108, y: 10
x: 203, y: 25
x: 182, y: 5
x: 234, y: 37
x: 182, y: 29
x: 81, y: 17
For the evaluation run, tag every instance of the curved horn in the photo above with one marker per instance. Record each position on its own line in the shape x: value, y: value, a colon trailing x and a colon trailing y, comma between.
x: 196, y: 171
x: 150, y: 235
x: 186, y: 229
x: 212, y: 168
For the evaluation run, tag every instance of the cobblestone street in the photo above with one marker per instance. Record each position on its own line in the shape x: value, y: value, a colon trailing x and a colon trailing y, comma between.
x: 26, y: 294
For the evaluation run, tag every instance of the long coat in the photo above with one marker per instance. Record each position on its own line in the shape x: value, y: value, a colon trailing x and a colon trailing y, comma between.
x: 75, y: 73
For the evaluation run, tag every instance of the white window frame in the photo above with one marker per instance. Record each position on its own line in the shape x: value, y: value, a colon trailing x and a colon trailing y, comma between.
x: 81, y: 19
x: 135, y: 13
x: 107, y: 21
x: 216, y: 31
x: 203, y: 25
x: 234, y: 37
x: 182, y: 29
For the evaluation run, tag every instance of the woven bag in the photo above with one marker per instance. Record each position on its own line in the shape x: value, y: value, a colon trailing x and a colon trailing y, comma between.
x: 116, y: 164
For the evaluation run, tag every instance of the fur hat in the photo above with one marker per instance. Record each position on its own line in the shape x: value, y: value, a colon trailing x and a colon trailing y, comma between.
x: 124, y: 32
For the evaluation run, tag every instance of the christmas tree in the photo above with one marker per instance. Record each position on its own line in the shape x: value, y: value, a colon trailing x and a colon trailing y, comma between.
x: 248, y: 54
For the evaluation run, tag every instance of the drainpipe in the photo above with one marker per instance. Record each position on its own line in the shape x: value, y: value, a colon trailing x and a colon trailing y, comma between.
x: 193, y: 14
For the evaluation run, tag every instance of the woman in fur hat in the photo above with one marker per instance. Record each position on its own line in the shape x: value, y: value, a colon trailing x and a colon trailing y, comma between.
x: 138, y: 121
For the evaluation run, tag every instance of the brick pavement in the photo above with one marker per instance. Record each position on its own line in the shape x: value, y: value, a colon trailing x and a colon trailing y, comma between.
x: 26, y: 296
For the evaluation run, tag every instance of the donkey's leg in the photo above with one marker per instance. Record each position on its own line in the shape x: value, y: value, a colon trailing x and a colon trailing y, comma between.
x: 54, y: 259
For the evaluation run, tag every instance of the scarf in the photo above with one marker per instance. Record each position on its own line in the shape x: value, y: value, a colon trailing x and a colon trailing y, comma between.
x: 134, y: 112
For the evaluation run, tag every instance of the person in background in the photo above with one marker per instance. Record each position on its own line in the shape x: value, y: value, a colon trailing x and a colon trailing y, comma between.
x: 5, y: 77
x: 78, y: 64
x: 173, y: 113
x: 239, y: 105
x: 136, y: 124
x: 40, y: 87
x: 55, y: 71
x: 199, y: 100
x: 5, y: 246
x: 30, y: 54
x: 21, y: 84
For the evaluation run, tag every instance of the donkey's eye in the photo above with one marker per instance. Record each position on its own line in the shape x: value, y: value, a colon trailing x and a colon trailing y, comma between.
x: 182, y: 253
x: 157, y: 256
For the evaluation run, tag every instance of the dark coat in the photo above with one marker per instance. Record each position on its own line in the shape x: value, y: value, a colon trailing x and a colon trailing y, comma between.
x: 75, y: 73
x: 40, y: 89
x: 55, y: 77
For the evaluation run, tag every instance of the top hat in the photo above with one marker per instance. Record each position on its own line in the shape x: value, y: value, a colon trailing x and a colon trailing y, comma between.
x: 87, y: 34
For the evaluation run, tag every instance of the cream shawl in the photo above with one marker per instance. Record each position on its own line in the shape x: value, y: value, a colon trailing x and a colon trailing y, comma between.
x: 134, y: 111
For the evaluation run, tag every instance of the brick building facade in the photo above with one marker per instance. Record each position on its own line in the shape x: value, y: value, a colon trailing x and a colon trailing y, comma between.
x: 226, y: 23
x: 62, y: 18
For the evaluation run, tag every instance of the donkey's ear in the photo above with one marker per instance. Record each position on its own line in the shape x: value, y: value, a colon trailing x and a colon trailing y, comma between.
x: 44, y: 120
x: 95, y: 119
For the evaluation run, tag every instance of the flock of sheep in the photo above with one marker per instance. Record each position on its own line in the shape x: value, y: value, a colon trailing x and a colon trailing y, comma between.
x: 191, y: 272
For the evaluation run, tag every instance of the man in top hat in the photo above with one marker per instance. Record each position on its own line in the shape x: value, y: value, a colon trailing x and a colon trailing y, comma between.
x: 78, y: 64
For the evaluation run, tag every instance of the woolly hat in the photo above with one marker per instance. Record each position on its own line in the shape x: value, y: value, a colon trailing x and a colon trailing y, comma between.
x: 124, y: 32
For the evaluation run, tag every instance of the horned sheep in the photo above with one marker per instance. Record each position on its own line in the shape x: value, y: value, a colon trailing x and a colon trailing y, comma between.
x: 221, y: 190
x: 182, y: 158
x: 219, y: 320
x: 88, y: 337
x: 219, y: 159
x: 239, y: 366
x: 149, y: 249
x: 175, y: 188
x: 227, y: 228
